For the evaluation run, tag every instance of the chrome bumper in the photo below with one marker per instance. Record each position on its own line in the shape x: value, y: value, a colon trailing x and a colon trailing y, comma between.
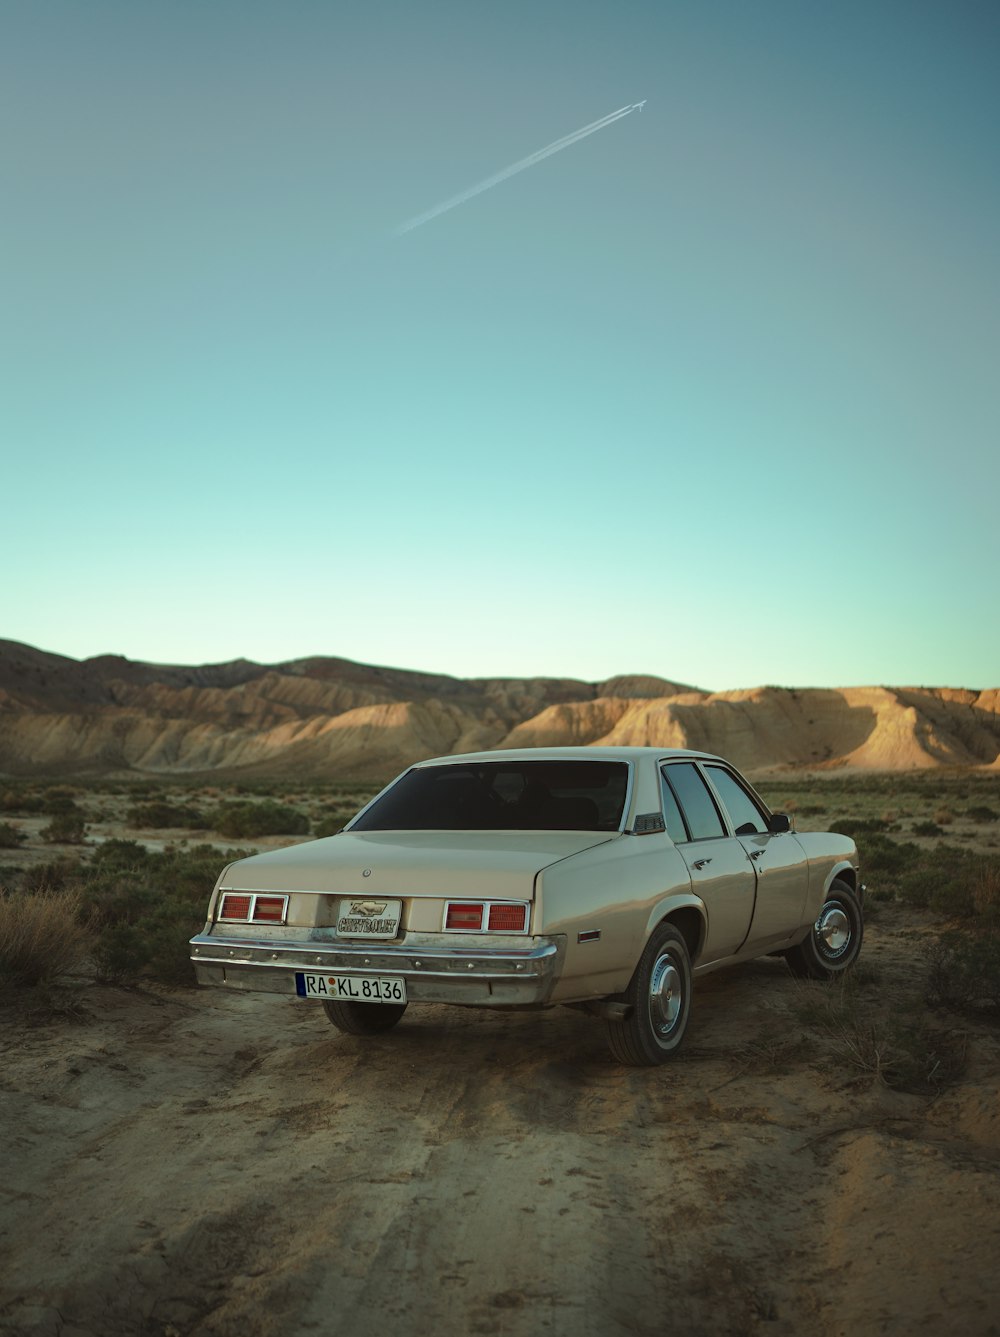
x: 482, y: 977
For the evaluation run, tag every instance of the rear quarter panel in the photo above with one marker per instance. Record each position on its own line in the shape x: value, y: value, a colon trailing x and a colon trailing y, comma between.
x: 621, y: 889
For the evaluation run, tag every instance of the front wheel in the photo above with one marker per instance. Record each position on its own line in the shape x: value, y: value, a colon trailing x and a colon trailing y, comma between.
x: 659, y: 995
x: 833, y: 942
x: 363, y: 1018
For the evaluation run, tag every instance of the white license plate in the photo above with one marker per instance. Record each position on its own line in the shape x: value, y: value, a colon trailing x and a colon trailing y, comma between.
x: 368, y: 917
x: 352, y: 988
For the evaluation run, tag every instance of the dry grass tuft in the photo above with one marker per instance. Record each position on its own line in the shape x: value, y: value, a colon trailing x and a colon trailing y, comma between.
x: 885, y: 1039
x: 41, y: 937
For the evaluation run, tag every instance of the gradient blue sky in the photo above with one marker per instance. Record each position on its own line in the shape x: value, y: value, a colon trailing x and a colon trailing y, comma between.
x: 711, y: 394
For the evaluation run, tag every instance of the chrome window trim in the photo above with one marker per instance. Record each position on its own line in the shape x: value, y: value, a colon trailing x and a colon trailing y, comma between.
x: 720, y: 808
x: 743, y: 784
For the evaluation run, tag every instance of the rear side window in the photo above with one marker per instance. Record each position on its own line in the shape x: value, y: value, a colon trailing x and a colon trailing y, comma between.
x: 746, y: 817
x: 672, y: 817
x: 696, y: 802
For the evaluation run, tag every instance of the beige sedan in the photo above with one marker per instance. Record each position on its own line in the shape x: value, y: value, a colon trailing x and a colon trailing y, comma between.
x: 600, y: 878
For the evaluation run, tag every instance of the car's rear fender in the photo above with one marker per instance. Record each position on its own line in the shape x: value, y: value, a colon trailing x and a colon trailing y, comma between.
x: 606, y: 900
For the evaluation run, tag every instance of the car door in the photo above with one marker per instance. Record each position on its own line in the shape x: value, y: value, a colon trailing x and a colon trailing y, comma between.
x: 722, y: 873
x: 778, y: 860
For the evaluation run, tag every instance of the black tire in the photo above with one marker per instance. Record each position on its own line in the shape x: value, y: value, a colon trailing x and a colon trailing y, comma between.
x: 833, y: 942
x: 659, y: 994
x: 363, y: 1018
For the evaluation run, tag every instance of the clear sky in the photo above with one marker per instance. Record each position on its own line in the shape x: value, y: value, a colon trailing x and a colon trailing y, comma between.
x: 712, y: 393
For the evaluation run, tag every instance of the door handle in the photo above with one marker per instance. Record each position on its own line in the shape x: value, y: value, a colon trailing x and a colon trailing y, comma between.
x: 755, y: 854
x: 700, y: 863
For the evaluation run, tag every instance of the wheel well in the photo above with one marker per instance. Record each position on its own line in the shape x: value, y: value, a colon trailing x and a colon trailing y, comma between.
x: 689, y: 924
x: 847, y: 875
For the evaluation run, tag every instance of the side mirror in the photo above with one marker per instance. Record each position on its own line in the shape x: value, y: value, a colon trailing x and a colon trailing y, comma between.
x: 779, y: 823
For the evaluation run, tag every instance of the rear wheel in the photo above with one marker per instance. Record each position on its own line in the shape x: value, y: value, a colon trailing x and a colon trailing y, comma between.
x: 833, y: 942
x: 363, y: 1018
x: 659, y: 994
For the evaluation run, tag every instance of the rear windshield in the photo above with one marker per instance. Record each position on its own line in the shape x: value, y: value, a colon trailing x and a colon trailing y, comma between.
x: 503, y: 796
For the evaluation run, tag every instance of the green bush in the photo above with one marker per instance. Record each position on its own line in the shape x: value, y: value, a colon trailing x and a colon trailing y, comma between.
x: 242, y: 821
x: 950, y: 881
x: 855, y: 826
x: 59, y: 801
x: 146, y: 906
x: 11, y: 836
x: 965, y: 971
x: 927, y: 829
x: 329, y: 826
x: 981, y: 813
x: 66, y: 828
x: 882, y: 857
x: 157, y: 815
x: 20, y: 802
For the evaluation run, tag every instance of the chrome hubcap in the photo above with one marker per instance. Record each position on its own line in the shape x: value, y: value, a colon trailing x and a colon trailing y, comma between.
x: 833, y: 929
x: 666, y: 996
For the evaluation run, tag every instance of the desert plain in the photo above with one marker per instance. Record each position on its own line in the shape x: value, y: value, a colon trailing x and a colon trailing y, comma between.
x: 180, y: 1162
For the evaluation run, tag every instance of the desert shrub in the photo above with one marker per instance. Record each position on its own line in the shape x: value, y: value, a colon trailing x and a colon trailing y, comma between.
x: 889, y: 1042
x: 66, y: 828
x: 951, y: 881
x: 986, y: 888
x: 41, y: 936
x: 20, y: 802
x: 53, y: 875
x: 146, y: 906
x: 944, y: 817
x: 964, y: 971
x: 58, y: 802
x: 329, y: 826
x: 981, y: 813
x: 882, y: 857
x: 855, y: 826
x: 158, y: 814
x: 927, y: 829
x: 11, y: 836
x: 240, y: 821
x: 121, y: 953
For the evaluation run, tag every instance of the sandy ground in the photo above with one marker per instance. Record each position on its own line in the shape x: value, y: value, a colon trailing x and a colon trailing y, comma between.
x: 190, y: 1162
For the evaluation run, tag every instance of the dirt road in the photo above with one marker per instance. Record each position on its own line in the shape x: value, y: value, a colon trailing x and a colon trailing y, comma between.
x: 181, y: 1163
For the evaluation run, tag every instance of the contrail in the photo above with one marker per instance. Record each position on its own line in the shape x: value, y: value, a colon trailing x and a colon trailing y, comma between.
x: 516, y: 167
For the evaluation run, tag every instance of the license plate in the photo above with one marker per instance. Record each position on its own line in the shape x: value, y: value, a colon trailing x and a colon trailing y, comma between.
x: 358, y: 917
x: 351, y: 988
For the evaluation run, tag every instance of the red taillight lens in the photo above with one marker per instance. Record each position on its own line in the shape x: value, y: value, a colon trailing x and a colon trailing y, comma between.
x: 235, y: 907
x: 469, y: 917
x: 269, y: 910
x: 508, y: 918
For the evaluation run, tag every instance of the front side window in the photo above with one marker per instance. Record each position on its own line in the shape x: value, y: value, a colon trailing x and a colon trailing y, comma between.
x: 746, y: 817
x: 503, y: 796
x: 696, y: 802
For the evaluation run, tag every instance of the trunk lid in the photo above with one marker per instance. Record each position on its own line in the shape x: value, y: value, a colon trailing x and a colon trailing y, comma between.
x: 484, y: 864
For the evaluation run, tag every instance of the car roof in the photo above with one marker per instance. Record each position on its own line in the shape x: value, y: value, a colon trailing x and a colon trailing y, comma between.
x: 633, y: 754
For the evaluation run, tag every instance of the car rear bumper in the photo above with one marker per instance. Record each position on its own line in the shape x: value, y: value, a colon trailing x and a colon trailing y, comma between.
x: 480, y: 977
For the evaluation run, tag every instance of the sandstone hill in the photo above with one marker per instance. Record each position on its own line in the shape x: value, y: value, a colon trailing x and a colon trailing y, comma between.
x: 325, y: 717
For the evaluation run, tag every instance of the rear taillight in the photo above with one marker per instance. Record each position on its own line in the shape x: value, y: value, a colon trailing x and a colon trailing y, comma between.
x: 467, y: 917
x: 236, y: 907
x: 244, y: 907
x: 508, y: 918
x: 486, y: 917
